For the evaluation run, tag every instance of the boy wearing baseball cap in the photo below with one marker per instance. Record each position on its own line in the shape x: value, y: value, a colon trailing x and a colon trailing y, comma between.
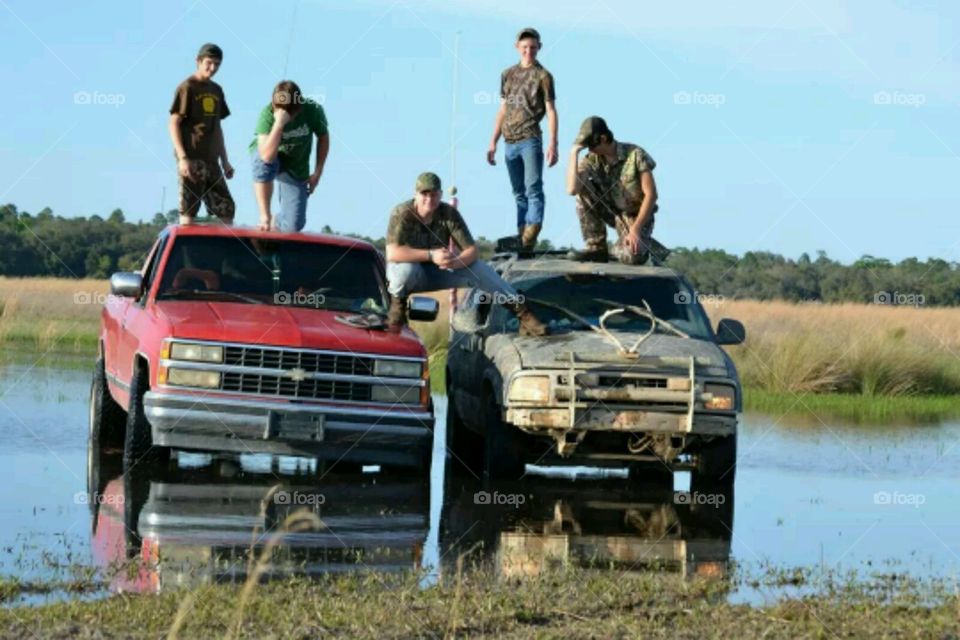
x: 418, y: 259
x: 526, y: 94
x: 614, y: 187
x: 195, y: 115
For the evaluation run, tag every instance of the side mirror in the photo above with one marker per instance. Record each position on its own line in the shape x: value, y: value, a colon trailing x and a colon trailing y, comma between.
x: 126, y: 284
x: 423, y: 309
x: 730, y: 332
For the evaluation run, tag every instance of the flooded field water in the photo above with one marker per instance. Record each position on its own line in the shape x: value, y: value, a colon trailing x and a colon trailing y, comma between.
x: 823, y: 497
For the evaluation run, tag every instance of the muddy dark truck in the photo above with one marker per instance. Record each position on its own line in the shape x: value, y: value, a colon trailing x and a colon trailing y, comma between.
x: 632, y: 375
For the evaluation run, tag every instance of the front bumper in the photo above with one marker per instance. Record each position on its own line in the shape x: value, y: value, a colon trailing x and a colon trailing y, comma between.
x: 601, y: 418
x: 329, y: 432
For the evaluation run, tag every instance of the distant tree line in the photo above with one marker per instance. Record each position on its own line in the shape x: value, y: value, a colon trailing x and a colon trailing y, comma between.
x: 44, y: 244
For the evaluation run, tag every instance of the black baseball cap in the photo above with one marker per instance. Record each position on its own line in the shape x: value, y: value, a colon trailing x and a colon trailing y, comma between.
x: 591, y: 130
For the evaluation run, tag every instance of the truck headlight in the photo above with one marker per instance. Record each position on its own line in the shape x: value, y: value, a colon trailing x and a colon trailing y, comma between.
x: 723, y: 397
x: 193, y: 378
x: 395, y: 394
x: 397, y: 369
x: 530, y: 389
x: 193, y: 352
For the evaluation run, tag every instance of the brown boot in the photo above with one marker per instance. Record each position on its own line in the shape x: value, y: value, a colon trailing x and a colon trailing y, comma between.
x: 530, y: 324
x: 529, y: 236
x: 397, y: 315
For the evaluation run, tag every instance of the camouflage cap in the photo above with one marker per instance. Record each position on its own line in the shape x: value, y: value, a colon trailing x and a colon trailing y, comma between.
x: 210, y: 50
x: 427, y: 181
x: 590, y: 131
x: 528, y: 32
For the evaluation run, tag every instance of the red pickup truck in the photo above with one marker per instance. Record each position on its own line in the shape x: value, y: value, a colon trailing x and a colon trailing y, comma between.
x: 246, y: 341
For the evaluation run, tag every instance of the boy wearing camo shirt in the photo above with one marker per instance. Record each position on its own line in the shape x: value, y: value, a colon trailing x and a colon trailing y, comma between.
x: 195, y: 115
x: 527, y: 93
x: 614, y: 187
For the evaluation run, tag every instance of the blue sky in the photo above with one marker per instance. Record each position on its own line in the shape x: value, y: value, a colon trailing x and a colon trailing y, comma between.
x: 790, y: 127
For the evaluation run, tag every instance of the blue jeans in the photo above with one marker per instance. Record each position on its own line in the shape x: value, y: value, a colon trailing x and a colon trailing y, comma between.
x: 404, y: 278
x: 525, y: 166
x: 292, y: 193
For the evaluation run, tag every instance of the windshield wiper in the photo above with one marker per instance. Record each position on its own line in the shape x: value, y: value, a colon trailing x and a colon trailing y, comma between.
x: 171, y: 295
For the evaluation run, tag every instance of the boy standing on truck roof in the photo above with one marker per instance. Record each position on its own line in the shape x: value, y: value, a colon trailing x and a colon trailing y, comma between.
x: 280, y: 152
x: 418, y: 259
x: 614, y: 186
x: 195, y: 115
x: 526, y: 94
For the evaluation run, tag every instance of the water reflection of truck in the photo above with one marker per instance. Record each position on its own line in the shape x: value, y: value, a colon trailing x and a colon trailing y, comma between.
x: 156, y: 529
x: 237, y: 340
x: 530, y: 527
x: 632, y: 375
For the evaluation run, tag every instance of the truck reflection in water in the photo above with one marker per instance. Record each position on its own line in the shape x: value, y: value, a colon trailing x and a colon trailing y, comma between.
x: 529, y: 527
x: 158, y: 528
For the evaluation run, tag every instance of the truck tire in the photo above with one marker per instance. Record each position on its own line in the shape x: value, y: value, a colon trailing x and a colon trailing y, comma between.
x: 138, y: 441
x: 717, y: 461
x: 464, y: 453
x: 107, y: 419
x: 503, y: 445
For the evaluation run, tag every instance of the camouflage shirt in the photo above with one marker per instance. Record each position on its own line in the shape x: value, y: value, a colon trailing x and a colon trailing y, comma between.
x: 407, y: 229
x: 526, y: 92
x: 617, y: 183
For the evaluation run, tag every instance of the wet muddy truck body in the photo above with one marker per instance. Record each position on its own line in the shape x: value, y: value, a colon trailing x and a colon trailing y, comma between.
x: 632, y: 375
x: 242, y: 341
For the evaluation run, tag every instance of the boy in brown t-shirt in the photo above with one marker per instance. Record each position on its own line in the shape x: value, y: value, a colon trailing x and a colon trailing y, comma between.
x: 527, y: 93
x: 195, y: 115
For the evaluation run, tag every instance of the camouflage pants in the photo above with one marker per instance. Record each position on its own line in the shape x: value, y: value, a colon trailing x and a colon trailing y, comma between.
x: 597, y: 213
x: 208, y: 185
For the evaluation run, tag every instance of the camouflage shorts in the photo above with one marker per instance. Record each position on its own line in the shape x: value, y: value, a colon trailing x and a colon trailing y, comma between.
x: 208, y: 185
x: 596, y: 214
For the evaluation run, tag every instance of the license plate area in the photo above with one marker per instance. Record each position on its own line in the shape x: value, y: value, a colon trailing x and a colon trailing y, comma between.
x: 294, y: 426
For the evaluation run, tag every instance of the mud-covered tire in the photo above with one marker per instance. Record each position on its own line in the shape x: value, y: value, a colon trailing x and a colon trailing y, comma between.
x: 503, y: 445
x: 107, y: 420
x: 464, y: 448
x: 138, y: 441
x: 717, y: 461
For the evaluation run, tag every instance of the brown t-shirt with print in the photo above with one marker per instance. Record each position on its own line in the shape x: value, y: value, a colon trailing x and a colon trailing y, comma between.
x: 202, y: 105
x: 407, y: 229
x: 526, y: 92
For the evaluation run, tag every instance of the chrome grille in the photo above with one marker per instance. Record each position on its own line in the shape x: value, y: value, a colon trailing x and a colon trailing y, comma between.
x: 289, y: 388
x: 270, y: 358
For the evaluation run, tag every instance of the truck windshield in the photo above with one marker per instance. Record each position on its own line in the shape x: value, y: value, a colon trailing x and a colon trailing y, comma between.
x: 589, y: 296
x: 275, y: 272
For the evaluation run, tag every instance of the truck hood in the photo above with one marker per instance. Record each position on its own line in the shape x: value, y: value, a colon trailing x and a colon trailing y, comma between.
x: 591, y: 349
x: 281, y: 326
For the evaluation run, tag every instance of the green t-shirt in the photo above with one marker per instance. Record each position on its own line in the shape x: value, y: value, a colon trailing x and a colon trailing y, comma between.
x: 297, y: 139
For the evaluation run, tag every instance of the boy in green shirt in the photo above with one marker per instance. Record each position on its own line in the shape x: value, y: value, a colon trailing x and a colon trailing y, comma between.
x: 281, y: 151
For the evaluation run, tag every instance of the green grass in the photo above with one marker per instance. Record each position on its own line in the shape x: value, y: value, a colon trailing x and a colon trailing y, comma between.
x: 562, y: 603
x: 858, y: 409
